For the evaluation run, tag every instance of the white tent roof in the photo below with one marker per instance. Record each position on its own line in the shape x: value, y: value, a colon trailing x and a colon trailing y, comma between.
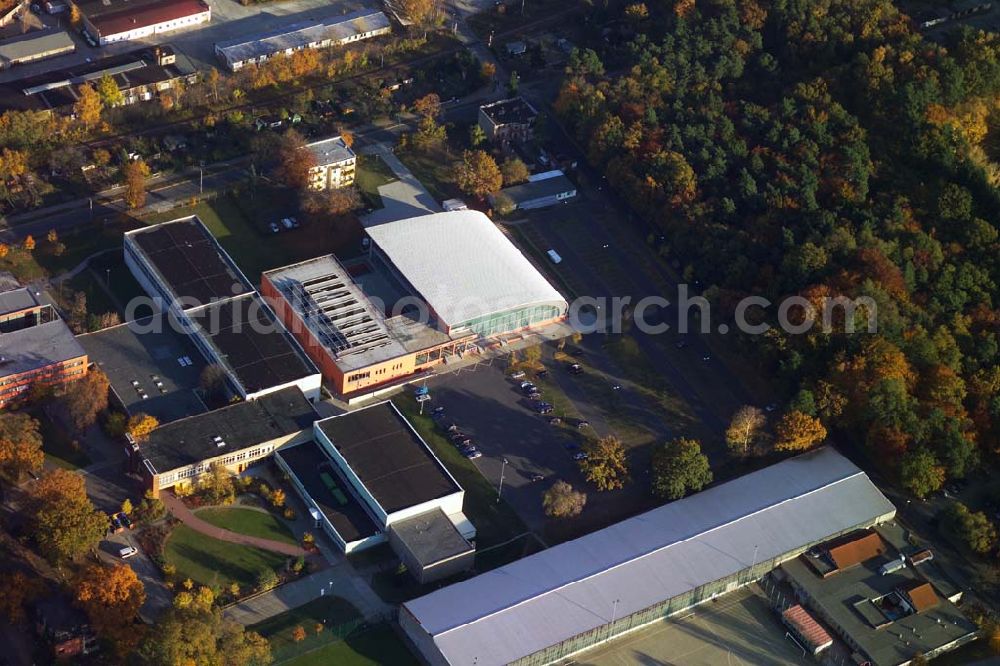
x: 561, y: 592
x: 462, y: 265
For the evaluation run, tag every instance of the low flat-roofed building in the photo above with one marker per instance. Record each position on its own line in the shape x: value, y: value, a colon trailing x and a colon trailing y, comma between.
x: 332, y: 29
x: 887, y: 617
x: 431, y: 546
x: 36, y: 347
x: 806, y: 628
x: 141, y: 75
x: 35, y: 46
x: 509, y: 119
x: 234, y: 436
x: 335, y: 164
x: 318, y: 479
x: 205, y: 295
x: 152, y: 369
x: 554, y: 188
x: 111, y: 21
x: 545, y: 607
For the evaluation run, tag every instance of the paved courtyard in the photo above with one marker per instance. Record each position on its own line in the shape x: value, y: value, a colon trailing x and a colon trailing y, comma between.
x: 738, y: 628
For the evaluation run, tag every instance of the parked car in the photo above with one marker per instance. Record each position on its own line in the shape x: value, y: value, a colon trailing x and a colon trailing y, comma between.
x: 464, y: 440
x: 437, y: 411
x: 535, y: 478
x: 554, y: 420
x: 535, y: 396
x: 681, y: 344
x: 294, y: 222
x: 472, y: 454
x: 583, y: 424
x: 127, y: 552
x: 519, y: 374
x: 575, y: 369
x: 116, y: 525
x: 124, y: 520
x: 274, y: 227
x: 580, y: 455
x: 542, y: 374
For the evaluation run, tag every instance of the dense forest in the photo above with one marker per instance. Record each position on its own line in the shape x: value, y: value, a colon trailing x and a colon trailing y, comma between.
x: 823, y: 148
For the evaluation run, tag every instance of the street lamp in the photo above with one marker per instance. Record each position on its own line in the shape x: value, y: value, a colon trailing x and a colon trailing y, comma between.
x: 503, y: 466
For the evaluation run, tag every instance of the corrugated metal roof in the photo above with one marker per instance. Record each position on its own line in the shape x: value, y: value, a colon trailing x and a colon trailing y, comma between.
x: 462, y: 265
x: 570, y: 589
x: 809, y: 629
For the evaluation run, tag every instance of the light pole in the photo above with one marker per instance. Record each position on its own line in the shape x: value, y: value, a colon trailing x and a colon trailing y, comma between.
x: 107, y: 276
x: 503, y: 466
x: 201, y: 177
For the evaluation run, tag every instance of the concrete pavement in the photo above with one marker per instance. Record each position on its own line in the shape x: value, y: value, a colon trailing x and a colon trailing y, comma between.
x: 340, y: 580
x: 403, y: 198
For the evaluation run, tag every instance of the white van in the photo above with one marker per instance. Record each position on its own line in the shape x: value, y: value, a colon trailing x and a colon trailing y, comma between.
x: 127, y: 552
x: 554, y: 256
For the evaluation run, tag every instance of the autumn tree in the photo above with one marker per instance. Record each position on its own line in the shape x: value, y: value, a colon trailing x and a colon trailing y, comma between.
x: 65, y: 523
x: 514, y: 171
x: 85, y: 398
x: 196, y: 636
x: 111, y: 596
x: 679, y: 467
x: 299, y: 634
x: 605, y: 465
x: 135, y: 173
x: 478, y: 174
x: 20, y: 444
x: 140, y: 425
x: 972, y: 529
x: 488, y: 71
x: 420, y: 12
x: 52, y: 237
x: 428, y: 106
x: 294, y: 161
x: 744, y: 429
x: 4, y: 250
x: 17, y: 589
x: 109, y: 92
x: 88, y: 106
x: 636, y: 11
x: 921, y: 473
x: 331, y: 203
x: 28, y: 243
x: 217, y: 484
x: 562, y: 501
x: 798, y: 432
x: 476, y: 135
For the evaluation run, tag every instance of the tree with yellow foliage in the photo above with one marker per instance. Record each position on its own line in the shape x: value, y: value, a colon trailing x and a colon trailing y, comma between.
x: 135, y: 173
x: 140, y: 425
x: 29, y: 243
x: 88, y: 106
x: 111, y: 596
x: 606, y: 465
x: 798, y: 432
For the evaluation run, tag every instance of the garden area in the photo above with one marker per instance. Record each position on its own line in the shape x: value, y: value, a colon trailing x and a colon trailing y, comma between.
x: 329, y: 630
x: 250, y: 521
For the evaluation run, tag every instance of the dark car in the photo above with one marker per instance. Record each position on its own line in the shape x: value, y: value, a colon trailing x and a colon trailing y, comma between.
x: 116, y: 525
x: 464, y: 440
x: 542, y: 374
x: 527, y: 388
x: 472, y: 453
x: 575, y: 369
x: 554, y: 420
x: 124, y: 520
x: 583, y: 424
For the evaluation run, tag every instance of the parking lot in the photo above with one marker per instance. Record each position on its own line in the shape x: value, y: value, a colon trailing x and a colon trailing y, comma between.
x: 738, y: 628
x: 490, y: 407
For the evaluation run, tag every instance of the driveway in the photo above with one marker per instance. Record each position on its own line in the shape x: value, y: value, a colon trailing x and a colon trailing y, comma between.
x: 158, y: 597
x: 401, y: 199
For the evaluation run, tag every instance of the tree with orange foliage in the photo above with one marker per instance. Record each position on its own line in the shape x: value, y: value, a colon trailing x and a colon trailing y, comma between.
x: 111, y: 596
x: 798, y: 432
x: 20, y: 444
x: 16, y: 590
x: 299, y: 634
x: 140, y: 425
x: 29, y: 243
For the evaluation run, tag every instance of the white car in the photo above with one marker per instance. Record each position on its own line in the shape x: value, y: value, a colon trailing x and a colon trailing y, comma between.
x: 127, y: 552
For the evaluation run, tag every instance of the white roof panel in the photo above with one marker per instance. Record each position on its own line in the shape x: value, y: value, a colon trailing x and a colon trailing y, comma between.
x: 462, y: 265
x: 541, y: 600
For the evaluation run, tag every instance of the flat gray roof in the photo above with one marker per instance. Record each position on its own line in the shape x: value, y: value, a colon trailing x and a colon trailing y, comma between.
x: 36, y: 44
x: 538, y: 189
x: 334, y: 26
x: 564, y: 591
x: 36, y: 347
x: 330, y: 151
x: 846, y: 597
x: 431, y: 537
x: 15, y: 300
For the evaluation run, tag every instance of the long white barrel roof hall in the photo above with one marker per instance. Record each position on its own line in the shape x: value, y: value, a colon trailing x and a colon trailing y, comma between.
x: 571, y: 589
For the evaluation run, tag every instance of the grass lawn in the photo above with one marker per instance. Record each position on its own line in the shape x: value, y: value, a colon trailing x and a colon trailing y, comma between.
x: 212, y: 562
x: 249, y: 521
x: 495, y: 521
x: 42, y: 262
x: 246, y: 238
x: 435, y: 170
x: 371, y: 173
x: 374, y: 647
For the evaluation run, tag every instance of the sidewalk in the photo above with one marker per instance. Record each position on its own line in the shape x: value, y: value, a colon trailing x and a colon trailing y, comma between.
x: 340, y: 580
x: 176, y: 506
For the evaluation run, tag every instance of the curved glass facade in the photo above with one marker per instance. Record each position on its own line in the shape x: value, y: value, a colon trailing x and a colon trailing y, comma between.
x: 510, y: 320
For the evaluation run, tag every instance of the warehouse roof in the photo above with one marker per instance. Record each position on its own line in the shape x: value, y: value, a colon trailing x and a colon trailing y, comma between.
x: 35, y: 44
x: 191, y: 262
x: 335, y: 27
x: 240, y: 426
x: 567, y: 590
x: 111, y: 17
x: 388, y: 456
x: 538, y: 189
x: 476, y: 271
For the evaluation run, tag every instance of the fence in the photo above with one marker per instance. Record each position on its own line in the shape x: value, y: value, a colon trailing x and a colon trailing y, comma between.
x: 283, y: 649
